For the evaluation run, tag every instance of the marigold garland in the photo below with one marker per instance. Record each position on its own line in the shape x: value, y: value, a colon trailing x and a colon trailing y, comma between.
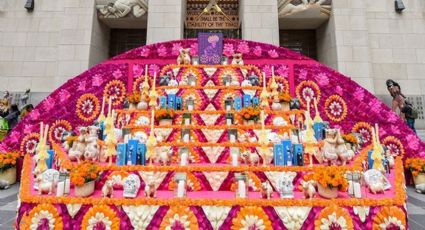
x: 117, y: 90
x: 331, y: 177
x: 43, y: 209
x: 179, y: 216
x: 338, y: 212
x: 365, y: 130
x: 92, y: 102
x: 57, y: 128
x: 388, y: 214
x: 332, y: 101
x: 32, y: 139
x: 249, y: 216
x: 394, y: 144
x: 309, y: 86
x: 107, y: 212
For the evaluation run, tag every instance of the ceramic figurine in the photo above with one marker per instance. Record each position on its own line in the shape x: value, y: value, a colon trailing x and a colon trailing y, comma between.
x: 250, y: 157
x: 390, y: 158
x: 254, y: 79
x: 247, y: 83
x: 184, y: 57
x: 92, y: 148
x: 66, y: 140
x: 286, y: 188
x: 237, y: 59
x: 235, y: 81
x: 150, y: 190
x: 165, y: 79
x: 376, y: 181
x: 44, y: 187
x: 343, y: 153
x: 46, y: 181
x: 309, y: 188
x: 172, y: 83
x: 164, y: 156
x: 131, y: 186
x: 266, y: 190
x: 329, y: 147
x: 107, y: 189
x: 78, y: 147
x: 294, y: 103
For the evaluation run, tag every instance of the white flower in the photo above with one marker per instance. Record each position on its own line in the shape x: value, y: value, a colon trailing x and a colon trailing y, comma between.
x: 335, y: 108
x: 392, y: 221
x: 252, y: 222
x: 308, y: 92
x: 332, y: 220
x: 177, y: 220
x: 38, y: 217
x: 99, y: 217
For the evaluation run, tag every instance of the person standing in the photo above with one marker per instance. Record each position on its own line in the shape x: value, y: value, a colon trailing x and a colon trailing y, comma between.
x: 13, y: 116
x: 400, y: 105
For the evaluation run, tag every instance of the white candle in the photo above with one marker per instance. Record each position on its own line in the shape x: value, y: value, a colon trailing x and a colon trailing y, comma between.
x: 350, y: 188
x: 187, y: 121
x: 67, y: 186
x: 60, y: 188
x: 241, y: 189
x: 186, y: 137
x: 232, y: 138
x: 192, y: 82
x: 228, y: 107
x: 183, y: 160
x: 357, y: 190
x: 229, y: 121
x: 190, y: 107
x: 180, y: 188
x: 235, y: 159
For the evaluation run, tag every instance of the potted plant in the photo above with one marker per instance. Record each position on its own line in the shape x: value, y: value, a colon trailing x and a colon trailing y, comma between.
x: 83, y: 177
x: 164, y: 116
x: 330, y: 180
x: 351, y: 141
x: 134, y: 99
x: 250, y: 115
x: 417, y: 167
x: 8, y: 166
x: 284, y: 99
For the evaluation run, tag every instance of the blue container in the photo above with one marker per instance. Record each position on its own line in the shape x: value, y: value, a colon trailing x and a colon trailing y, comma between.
x: 318, y: 128
x: 121, y: 154
x: 179, y: 103
x: 132, y: 152
x: 163, y: 101
x: 246, y: 100
x: 287, y: 151
x: 49, y: 161
x: 237, y: 103
x: 369, y: 159
x: 141, y: 154
x: 255, y: 101
x: 172, y: 101
x: 298, y: 154
x: 278, y: 154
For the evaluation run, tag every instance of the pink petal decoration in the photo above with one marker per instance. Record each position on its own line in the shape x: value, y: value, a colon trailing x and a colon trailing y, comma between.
x: 117, y: 74
x: 176, y: 49
x: 162, y: 51
x: 82, y: 86
x: 322, y: 79
x: 153, y: 69
x: 243, y: 47
x: 64, y: 95
x: 194, y: 49
x: 97, y: 80
x: 49, y: 103
x: 283, y: 70
x: 359, y: 94
x: 137, y: 70
x: 228, y: 49
x: 145, y: 52
x: 273, y: 53
x: 34, y: 114
x: 258, y: 51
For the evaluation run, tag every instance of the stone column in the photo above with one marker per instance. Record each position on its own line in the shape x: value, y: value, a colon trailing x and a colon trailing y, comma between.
x: 260, y: 21
x: 165, y: 20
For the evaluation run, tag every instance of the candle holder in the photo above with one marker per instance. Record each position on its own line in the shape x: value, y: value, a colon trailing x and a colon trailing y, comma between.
x: 64, y: 184
x: 233, y: 135
x: 187, y: 119
x: 185, y: 135
x: 229, y: 119
x: 235, y: 153
x: 242, y: 181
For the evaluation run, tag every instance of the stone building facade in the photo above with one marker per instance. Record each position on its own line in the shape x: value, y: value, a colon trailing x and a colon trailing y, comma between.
x: 366, y: 40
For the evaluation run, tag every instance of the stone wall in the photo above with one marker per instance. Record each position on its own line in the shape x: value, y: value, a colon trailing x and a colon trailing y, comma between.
x: 44, y: 48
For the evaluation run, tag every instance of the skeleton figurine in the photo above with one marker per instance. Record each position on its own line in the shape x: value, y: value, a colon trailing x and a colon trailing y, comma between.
x: 266, y: 190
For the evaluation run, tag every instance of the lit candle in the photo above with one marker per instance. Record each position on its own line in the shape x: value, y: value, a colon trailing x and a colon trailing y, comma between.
x: 235, y: 158
x: 357, y: 190
x: 187, y: 121
x: 180, y: 188
x: 186, y: 137
x: 146, y: 71
x: 273, y: 71
x: 67, y: 185
x: 232, y: 138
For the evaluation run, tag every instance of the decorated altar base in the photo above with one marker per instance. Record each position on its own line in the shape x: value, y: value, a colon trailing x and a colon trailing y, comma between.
x: 211, y: 202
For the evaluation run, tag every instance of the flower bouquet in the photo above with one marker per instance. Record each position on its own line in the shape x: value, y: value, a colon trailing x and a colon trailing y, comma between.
x: 8, y: 166
x: 83, y: 177
x: 250, y: 114
x: 133, y: 98
x: 417, y: 167
x: 164, y: 116
x: 284, y: 99
x: 330, y: 180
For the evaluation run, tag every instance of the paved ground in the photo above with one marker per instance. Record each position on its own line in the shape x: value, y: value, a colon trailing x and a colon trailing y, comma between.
x: 8, y: 204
